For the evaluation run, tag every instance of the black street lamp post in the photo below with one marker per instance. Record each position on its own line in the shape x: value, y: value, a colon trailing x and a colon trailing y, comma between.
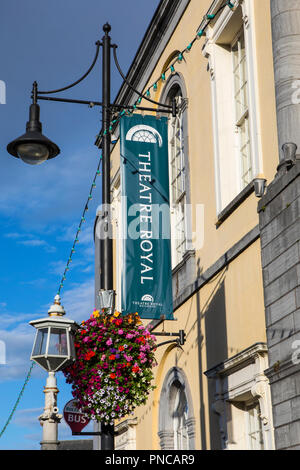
x: 106, y: 247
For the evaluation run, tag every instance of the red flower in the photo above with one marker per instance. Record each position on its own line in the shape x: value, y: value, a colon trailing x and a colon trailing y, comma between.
x: 121, y: 348
x: 112, y: 376
x: 89, y: 355
x: 135, y: 369
x: 141, y: 340
x: 112, y: 357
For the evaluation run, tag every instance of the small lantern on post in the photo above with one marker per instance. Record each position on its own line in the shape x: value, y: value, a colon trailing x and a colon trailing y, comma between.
x: 53, y: 350
x: 53, y: 347
x: 107, y: 301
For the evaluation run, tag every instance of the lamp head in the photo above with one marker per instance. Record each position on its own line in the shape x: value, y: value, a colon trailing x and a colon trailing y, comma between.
x: 33, y: 147
x: 54, y: 347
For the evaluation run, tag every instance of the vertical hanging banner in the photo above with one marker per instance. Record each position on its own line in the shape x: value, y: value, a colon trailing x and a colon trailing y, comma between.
x: 146, y: 274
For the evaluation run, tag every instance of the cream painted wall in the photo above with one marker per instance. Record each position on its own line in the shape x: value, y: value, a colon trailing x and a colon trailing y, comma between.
x: 227, y: 314
x: 200, y: 130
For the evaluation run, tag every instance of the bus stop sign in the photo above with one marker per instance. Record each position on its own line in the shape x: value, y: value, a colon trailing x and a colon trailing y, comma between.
x: 74, y: 418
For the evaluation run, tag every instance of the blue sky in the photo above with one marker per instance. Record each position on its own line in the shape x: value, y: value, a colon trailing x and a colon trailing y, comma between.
x: 40, y: 206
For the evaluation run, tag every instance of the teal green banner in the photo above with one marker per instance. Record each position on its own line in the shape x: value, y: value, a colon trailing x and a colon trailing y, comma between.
x: 146, y: 274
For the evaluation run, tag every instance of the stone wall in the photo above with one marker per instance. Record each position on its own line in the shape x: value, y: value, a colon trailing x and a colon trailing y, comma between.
x: 279, y: 216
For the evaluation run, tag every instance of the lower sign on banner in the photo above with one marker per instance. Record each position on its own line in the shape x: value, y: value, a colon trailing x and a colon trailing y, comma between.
x: 74, y: 418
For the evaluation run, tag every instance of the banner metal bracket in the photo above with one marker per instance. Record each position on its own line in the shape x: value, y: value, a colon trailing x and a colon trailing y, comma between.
x: 181, y: 337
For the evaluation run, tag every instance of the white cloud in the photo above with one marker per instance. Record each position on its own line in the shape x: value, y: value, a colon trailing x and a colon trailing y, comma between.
x: 28, y: 239
x: 13, y: 235
x: 85, y: 235
x: 78, y: 301
x: 38, y: 242
x: 27, y: 417
x: 33, y: 242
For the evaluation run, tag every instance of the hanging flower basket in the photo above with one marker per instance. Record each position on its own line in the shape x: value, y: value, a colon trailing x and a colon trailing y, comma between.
x: 112, y: 373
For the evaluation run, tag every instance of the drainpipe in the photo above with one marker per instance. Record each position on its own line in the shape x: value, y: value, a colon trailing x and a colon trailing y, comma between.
x: 285, y: 16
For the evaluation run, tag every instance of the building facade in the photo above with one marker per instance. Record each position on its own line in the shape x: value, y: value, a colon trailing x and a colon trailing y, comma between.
x: 214, y: 392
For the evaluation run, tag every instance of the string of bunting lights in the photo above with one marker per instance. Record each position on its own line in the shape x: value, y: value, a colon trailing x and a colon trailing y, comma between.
x: 113, y: 123
x: 82, y: 220
x: 170, y: 70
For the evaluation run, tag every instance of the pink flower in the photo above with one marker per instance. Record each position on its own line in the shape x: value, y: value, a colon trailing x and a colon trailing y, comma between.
x: 120, y: 332
x: 109, y: 342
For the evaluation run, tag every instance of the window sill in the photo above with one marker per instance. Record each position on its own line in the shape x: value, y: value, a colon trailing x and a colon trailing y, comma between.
x: 234, y: 204
x: 188, y: 254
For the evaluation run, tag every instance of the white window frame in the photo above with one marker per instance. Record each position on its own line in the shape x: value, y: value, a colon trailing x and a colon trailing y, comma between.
x: 242, y: 117
x: 180, y: 426
x: 227, y: 173
x: 249, y: 406
x: 178, y: 243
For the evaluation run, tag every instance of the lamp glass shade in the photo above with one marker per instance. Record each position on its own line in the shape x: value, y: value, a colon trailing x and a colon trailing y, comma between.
x: 107, y: 300
x: 40, y: 342
x: 58, y: 344
x: 32, y: 153
x: 53, y: 347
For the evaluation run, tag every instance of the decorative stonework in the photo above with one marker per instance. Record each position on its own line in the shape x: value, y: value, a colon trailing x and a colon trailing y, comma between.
x: 126, y: 434
x: 237, y: 380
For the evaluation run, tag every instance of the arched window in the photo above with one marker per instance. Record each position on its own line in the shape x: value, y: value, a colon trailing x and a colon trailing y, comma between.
x: 178, y: 169
x: 176, y: 419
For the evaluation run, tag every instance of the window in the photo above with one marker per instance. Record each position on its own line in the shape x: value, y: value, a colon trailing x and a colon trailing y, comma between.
x: 180, y: 414
x: 254, y: 427
x: 182, y: 243
x: 240, y: 80
x: 177, y: 185
x: 230, y: 49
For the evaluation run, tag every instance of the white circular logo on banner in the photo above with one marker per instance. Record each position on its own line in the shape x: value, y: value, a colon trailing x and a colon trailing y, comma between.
x: 147, y: 298
x: 143, y: 133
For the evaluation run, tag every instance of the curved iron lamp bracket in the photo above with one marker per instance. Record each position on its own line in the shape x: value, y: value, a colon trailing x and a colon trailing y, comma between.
x: 39, y: 95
